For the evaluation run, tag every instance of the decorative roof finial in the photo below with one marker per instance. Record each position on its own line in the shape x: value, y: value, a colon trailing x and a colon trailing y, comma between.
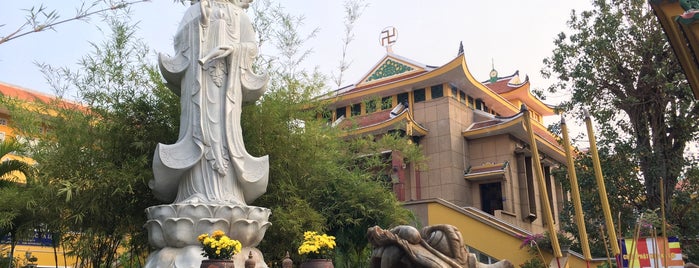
x: 388, y: 37
x: 493, y: 72
x: 461, y: 48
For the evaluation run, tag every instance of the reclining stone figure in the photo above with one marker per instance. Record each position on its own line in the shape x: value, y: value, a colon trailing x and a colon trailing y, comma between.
x: 438, y: 246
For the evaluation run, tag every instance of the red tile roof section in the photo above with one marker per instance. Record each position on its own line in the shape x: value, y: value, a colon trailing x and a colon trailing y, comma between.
x: 484, y: 124
x: 543, y: 133
x: 366, y: 120
x: 32, y: 96
x: 501, y: 86
x: 24, y: 94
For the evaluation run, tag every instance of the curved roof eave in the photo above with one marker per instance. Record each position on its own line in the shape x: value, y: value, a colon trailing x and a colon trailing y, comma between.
x: 525, y: 95
x: 516, y: 127
x: 500, y: 100
x: 410, y: 126
x: 453, y: 70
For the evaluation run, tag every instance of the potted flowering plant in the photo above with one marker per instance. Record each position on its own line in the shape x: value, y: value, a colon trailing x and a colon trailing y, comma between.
x: 564, y: 241
x: 531, y: 242
x: 219, y: 248
x: 317, y: 248
x: 538, y: 242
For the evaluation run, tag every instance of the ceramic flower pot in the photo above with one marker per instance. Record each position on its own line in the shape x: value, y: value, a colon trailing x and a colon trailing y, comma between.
x: 318, y: 263
x: 217, y: 264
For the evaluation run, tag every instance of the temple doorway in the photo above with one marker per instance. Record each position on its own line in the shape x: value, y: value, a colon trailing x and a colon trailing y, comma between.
x: 491, y: 197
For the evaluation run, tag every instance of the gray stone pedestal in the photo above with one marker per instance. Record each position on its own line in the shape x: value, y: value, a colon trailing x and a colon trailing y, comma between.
x: 173, y: 231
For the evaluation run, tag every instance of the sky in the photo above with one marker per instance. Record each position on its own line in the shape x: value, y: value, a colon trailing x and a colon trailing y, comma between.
x: 511, y: 34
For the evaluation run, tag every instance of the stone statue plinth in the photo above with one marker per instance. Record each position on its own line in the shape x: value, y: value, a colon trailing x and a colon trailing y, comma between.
x: 173, y: 230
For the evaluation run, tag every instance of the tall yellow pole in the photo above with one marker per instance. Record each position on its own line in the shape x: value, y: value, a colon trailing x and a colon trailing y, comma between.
x: 666, y: 239
x: 575, y: 191
x: 601, y: 188
x: 636, y: 234
x: 543, y: 192
x: 604, y: 239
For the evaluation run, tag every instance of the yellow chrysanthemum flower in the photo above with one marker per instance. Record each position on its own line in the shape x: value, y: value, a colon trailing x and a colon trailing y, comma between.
x: 218, y: 245
x: 201, y: 237
x: 315, y: 245
x: 218, y: 234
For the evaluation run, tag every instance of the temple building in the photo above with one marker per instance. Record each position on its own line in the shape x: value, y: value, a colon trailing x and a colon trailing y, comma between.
x: 479, y: 174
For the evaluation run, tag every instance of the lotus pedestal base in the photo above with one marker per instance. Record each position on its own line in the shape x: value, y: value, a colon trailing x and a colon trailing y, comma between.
x: 173, y: 231
x: 190, y: 257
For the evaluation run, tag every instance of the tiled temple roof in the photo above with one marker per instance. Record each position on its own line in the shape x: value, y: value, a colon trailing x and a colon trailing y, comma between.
x: 397, y: 118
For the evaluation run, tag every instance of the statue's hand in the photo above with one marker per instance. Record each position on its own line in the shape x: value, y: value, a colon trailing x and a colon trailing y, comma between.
x: 219, y: 52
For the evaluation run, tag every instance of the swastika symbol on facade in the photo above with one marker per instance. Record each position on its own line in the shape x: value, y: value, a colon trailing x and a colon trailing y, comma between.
x: 389, y: 35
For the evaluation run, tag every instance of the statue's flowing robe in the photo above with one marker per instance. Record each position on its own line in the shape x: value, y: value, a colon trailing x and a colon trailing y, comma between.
x: 209, y: 162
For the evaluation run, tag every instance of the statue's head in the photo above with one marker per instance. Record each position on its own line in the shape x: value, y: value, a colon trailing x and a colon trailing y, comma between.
x: 242, y: 3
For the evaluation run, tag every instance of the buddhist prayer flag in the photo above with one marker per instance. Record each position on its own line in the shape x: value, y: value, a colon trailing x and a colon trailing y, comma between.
x: 650, y: 253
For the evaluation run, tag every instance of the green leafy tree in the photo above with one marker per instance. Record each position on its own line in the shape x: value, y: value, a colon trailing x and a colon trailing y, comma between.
x: 17, y: 217
x: 316, y: 181
x: 12, y: 169
x: 616, y: 63
x: 95, y: 153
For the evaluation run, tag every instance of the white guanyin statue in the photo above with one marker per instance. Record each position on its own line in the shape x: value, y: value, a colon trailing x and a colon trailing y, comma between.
x: 208, y: 174
x: 212, y: 73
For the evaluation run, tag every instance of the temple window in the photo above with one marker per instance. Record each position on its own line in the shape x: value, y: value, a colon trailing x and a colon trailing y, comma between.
x: 531, y: 197
x: 370, y: 106
x: 549, y: 190
x: 326, y: 115
x: 386, y: 103
x: 419, y: 95
x: 480, y: 105
x: 454, y: 92
x: 471, y: 103
x: 482, y: 257
x: 340, y: 112
x: 437, y: 91
x: 403, y: 98
x: 356, y: 109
